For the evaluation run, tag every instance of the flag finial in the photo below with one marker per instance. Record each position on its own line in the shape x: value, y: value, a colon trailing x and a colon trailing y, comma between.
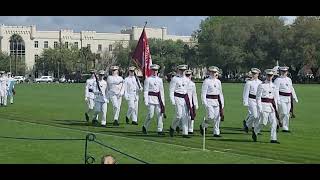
x: 145, y: 24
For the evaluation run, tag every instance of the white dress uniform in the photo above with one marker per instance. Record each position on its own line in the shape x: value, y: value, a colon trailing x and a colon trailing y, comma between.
x: 153, y: 84
x: 285, y: 90
x: 178, y: 91
x: 11, y: 83
x: 266, y: 93
x: 115, y: 93
x: 101, y: 101
x: 4, y: 89
x: 211, y: 92
x: 131, y: 94
x: 249, y: 100
x: 89, y: 92
x: 192, y: 93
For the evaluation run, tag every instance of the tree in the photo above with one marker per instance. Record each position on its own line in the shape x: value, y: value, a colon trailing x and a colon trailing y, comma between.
x: 15, y: 39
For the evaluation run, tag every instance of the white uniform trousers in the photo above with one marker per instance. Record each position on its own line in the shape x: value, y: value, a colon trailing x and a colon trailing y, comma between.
x: 11, y: 98
x: 3, y: 98
x: 253, y: 115
x: 133, y: 109
x: 116, y: 103
x: 190, y: 124
x: 151, y: 109
x: 101, y: 107
x: 90, y: 103
x: 264, y: 119
x: 284, y: 113
x: 213, y: 116
x: 182, y: 116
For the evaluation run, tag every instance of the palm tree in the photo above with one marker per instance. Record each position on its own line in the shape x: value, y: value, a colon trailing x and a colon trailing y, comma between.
x: 14, y: 40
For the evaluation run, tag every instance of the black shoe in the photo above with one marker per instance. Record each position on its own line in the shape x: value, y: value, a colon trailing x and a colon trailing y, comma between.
x: 171, y: 131
x: 87, y: 116
x: 254, y: 136
x: 116, y: 123
x: 134, y: 123
x: 275, y: 141
x: 178, y: 129
x: 186, y: 136
x: 103, y: 125
x: 259, y: 133
x: 216, y: 135
x: 127, y: 120
x: 161, y: 133
x: 11, y: 103
x: 144, y: 130
x: 286, y: 131
x: 245, y: 127
x: 190, y: 132
x: 95, y: 122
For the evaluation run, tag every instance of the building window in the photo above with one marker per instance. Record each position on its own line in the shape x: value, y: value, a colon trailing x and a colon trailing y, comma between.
x: 67, y: 44
x: 17, y: 48
x: 76, y: 44
x: 110, y: 47
x: 55, y: 44
x: 99, y: 47
x: 36, y: 57
x: 36, y: 44
x: 89, y: 46
x: 45, y: 45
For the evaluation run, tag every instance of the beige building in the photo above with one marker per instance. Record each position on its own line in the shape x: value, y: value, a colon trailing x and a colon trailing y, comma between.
x: 34, y: 41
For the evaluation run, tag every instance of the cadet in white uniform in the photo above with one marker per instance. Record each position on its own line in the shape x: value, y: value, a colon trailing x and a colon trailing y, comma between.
x: 213, y: 100
x: 100, y: 100
x: 180, y: 99
x: 192, y: 93
x: 267, y: 108
x: 286, y: 96
x: 132, y: 87
x: 89, y: 94
x: 154, y: 100
x: 11, y: 91
x: 3, y: 89
x: 115, y: 92
x: 249, y: 99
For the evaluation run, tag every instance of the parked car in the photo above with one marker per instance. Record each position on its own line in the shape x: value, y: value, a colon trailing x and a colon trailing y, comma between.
x: 47, y: 79
x: 19, y: 79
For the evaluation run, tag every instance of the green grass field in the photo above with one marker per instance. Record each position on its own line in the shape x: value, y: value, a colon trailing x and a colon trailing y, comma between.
x: 57, y: 111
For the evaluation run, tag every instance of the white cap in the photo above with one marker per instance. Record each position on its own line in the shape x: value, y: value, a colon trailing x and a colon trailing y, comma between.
x: 269, y: 71
x: 188, y: 72
x: 101, y: 72
x: 113, y: 68
x: 213, y: 69
x: 183, y: 67
x: 132, y: 68
x: 155, y: 67
x: 284, y: 68
x: 255, y: 70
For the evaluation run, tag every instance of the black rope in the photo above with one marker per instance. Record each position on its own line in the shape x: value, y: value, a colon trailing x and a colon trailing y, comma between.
x: 120, y: 152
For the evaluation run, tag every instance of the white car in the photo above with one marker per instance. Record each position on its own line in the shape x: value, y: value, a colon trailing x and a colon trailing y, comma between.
x: 19, y: 79
x: 62, y: 80
x: 46, y: 79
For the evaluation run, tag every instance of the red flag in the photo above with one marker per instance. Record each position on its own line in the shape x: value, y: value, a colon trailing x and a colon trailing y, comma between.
x: 142, y: 56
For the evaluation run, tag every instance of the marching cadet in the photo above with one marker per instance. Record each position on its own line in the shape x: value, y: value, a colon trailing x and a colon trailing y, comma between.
x: 11, y: 91
x: 100, y: 100
x: 266, y: 98
x: 115, y: 92
x: 286, y: 96
x: 4, y: 88
x: 249, y: 99
x: 192, y: 93
x: 180, y: 99
x: 213, y: 100
x: 89, y: 94
x: 248, y: 78
x: 154, y: 100
x: 132, y: 87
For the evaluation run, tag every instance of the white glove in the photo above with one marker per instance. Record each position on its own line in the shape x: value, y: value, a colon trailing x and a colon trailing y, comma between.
x: 260, y: 110
x: 86, y: 99
x: 146, y: 103
x: 197, y: 107
x: 173, y: 103
x: 296, y: 100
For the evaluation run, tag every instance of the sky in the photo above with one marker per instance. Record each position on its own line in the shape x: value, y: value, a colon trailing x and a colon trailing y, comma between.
x: 176, y: 25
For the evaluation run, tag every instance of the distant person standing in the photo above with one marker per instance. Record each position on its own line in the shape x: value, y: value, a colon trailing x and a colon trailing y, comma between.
x: 132, y: 88
x: 89, y: 94
x: 287, y: 95
x: 115, y: 92
x: 4, y: 88
x: 11, y: 91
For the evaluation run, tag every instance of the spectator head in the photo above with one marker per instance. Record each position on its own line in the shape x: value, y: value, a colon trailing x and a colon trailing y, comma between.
x: 108, y: 159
